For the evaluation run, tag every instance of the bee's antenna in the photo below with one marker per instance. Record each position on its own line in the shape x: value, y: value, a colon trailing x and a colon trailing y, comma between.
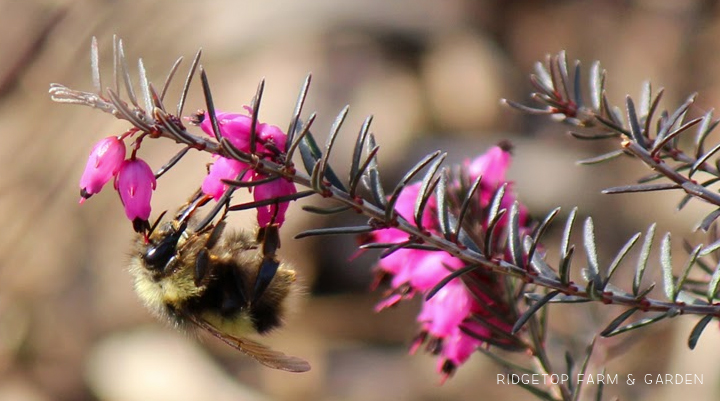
x: 198, y: 201
x: 155, y: 224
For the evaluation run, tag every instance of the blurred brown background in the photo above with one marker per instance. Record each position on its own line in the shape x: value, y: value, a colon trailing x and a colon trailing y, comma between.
x: 431, y: 72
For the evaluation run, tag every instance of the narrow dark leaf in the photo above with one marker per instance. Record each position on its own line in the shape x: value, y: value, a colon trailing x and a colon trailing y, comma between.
x: 334, y: 231
x: 592, y: 136
x: 659, y: 145
x: 210, y: 105
x: 374, y: 183
x: 642, y: 188
x: 536, y: 261
x: 526, y: 109
x: 169, y: 78
x: 594, y: 273
x: 407, y: 245
x: 635, y: 131
x: 638, y: 324
x: 271, y: 201
x: 454, y: 274
x: 565, y: 265
x: 613, y: 124
x: 543, y: 76
x: 172, y: 162
x: 642, y: 294
x: 703, y: 131
x: 491, y: 231
x: 597, y: 85
x: 325, y: 211
x: 697, y: 331
x: 188, y: 80
x: 645, y: 100
x: 442, y: 205
x: 643, y: 259
x: 577, y: 87
x: 565, y: 242
x: 564, y: 82
x: 495, y: 205
x: 540, y: 231
x: 95, y: 66
x: 531, y: 311
x: 126, y: 74
x: 255, y: 115
x: 358, y: 152
x: 145, y: 88
x: 619, y: 258
x: 690, y: 263
x: 462, y: 236
x: 465, y: 206
x: 560, y: 299
x: 618, y: 321
x: 514, y: 242
x: 667, y: 268
x: 311, y: 153
x: 427, y: 189
x: 295, y: 119
x: 601, y: 158
x: 651, y: 110
x: 713, y: 284
x: 709, y: 219
x: 363, y: 168
x: 390, y: 210
x: 297, y: 139
x: 670, y: 123
x: 331, y: 139
x: 116, y: 65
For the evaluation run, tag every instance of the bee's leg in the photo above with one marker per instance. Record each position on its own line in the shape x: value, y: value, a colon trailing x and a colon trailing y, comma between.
x: 202, y: 268
x: 269, y: 237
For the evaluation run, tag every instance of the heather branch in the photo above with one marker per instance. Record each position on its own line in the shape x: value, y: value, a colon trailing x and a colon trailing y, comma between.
x: 527, y: 266
x: 169, y: 126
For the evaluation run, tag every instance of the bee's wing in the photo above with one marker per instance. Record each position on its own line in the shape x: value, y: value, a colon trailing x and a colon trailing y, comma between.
x: 259, y: 352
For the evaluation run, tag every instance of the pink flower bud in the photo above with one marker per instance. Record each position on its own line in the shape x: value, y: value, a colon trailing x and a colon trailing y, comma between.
x: 135, y: 182
x: 270, y: 190
x: 222, y: 169
x: 104, y: 162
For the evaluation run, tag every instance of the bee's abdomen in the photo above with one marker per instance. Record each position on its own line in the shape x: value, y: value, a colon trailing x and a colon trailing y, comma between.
x: 227, y: 296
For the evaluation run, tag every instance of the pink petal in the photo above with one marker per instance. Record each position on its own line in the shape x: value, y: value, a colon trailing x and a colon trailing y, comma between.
x: 222, y: 169
x: 274, y: 189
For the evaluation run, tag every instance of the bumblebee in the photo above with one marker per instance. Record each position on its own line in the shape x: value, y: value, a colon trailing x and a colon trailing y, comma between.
x: 197, y: 275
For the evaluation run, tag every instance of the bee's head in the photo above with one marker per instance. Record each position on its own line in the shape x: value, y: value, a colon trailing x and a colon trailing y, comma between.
x: 162, y: 247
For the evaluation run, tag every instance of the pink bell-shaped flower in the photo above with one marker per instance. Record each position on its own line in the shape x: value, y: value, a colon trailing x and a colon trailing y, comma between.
x: 135, y: 182
x: 104, y: 162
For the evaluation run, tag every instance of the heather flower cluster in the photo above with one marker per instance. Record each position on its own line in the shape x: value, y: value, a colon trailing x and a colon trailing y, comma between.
x: 135, y: 181
x: 461, y: 315
x: 270, y: 144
